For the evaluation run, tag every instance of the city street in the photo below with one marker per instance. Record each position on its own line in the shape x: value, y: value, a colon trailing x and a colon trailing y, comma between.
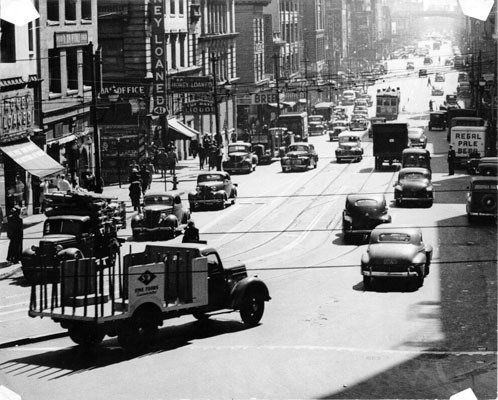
x: 322, y: 335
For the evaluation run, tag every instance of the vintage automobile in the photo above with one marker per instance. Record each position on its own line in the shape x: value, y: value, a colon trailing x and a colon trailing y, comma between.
x: 463, y: 77
x: 437, y: 90
x: 417, y: 138
x: 410, y: 65
x: 414, y: 185
x: 463, y: 90
x: 214, y: 188
x: 362, y: 213
x: 316, y: 125
x: 358, y: 124
x: 482, y: 197
x: 427, y: 60
x: 300, y: 156
x: 375, y: 120
x: 348, y: 97
x: 162, y: 217
x: 241, y: 158
x: 448, y: 62
x: 487, y: 166
x: 349, y: 148
x: 422, y: 72
x: 437, y: 120
x: 439, y: 77
x: 360, y: 101
x: 368, y: 98
x: 415, y: 157
x: 396, y: 252
x: 337, y: 128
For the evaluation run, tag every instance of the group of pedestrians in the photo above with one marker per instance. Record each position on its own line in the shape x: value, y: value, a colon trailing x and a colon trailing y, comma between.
x: 210, y: 153
x: 165, y: 160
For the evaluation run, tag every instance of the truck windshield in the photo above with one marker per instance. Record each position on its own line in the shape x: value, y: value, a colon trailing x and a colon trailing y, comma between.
x: 349, y: 139
x: 63, y: 226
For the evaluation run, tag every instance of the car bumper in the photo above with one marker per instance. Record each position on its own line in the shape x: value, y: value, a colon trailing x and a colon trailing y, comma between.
x: 390, y: 274
x: 231, y: 170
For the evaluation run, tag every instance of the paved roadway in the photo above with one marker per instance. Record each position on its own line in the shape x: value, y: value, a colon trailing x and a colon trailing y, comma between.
x: 322, y: 335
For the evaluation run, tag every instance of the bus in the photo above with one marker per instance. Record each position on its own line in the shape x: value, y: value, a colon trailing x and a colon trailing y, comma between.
x: 388, y: 103
x: 326, y: 109
x: 296, y: 123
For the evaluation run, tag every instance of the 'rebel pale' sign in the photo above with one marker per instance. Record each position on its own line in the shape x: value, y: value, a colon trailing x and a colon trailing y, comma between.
x: 158, y: 58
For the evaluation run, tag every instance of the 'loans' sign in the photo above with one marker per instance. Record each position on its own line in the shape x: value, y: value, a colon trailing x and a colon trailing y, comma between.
x: 158, y: 58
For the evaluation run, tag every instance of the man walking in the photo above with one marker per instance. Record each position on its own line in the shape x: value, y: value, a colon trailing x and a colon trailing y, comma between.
x: 15, y: 235
x: 451, y: 160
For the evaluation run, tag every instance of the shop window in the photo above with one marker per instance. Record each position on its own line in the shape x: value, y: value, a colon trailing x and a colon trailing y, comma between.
x: 70, y: 10
x: 86, y: 10
x: 53, y: 10
x: 7, y: 42
x: 72, y: 70
x: 54, y: 72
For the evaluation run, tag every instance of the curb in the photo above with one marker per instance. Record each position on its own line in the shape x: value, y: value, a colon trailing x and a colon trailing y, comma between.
x: 32, y: 339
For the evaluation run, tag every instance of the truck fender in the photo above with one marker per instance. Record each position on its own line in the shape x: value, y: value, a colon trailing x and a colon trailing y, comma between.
x: 244, y: 286
x: 147, y: 306
x: 71, y: 253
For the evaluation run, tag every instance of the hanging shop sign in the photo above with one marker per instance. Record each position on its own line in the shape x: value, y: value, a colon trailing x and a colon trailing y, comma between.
x: 199, y: 107
x: 70, y: 39
x: 16, y: 115
x: 158, y: 58
x: 189, y: 84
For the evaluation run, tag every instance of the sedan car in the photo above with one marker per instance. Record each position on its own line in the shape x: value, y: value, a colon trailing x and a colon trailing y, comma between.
x: 482, y: 197
x: 414, y: 185
x: 349, y: 148
x: 162, y: 217
x: 417, y: 138
x: 337, y: 128
x: 241, y: 158
x: 437, y: 90
x: 300, y: 156
x: 213, y: 188
x: 362, y: 213
x: 396, y: 252
x: 439, y: 77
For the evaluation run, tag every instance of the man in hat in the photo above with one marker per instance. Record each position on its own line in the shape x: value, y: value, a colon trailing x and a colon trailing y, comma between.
x: 15, y: 235
x: 451, y: 160
x: 191, y: 234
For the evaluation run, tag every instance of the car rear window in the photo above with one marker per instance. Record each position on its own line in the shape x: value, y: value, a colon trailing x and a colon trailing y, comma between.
x: 485, y: 186
x: 394, y: 237
x: 365, y: 203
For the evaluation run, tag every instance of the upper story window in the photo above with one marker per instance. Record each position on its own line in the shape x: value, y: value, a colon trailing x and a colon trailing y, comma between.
x: 70, y: 10
x: 86, y: 10
x: 181, y: 7
x: 72, y: 69
x: 8, y: 42
x: 172, y: 7
x: 54, y: 71
x: 53, y: 10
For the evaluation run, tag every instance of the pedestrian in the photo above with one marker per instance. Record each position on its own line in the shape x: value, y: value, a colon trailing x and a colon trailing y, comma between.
x: 145, y: 176
x: 135, y: 193
x: 19, y: 191
x: 219, y: 158
x: 43, y: 192
x: 191, y: 234
x: 162, y: 161
x: 63, y: 185
x: 15, y: 235
x: 451, y: 160
x: 134, y: 176
x: 172, y: 160
x: 213, y: 156
x: 431, y: 105
x: 194, y: 147
x: 429, y: 81
x: 202, y: 156
x: 88, y: 180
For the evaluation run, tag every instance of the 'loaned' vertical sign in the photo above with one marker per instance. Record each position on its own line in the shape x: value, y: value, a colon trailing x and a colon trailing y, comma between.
x: 158, y: 58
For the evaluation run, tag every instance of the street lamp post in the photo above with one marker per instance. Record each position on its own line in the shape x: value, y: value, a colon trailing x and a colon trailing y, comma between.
x: 95, y: 59
x: 214, y: 61
x: 482, y: 84
x: 118, y: 143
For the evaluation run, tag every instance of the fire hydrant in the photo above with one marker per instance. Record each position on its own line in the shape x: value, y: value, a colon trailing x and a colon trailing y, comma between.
x: 175, y: 182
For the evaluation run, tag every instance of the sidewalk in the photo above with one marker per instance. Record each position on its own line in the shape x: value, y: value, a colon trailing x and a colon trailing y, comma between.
x: 186, y: 171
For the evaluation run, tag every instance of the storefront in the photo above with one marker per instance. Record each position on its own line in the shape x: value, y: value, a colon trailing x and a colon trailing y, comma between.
x: 22, y: 163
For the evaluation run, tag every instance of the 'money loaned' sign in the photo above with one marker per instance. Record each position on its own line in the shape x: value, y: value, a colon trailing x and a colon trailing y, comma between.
x: 158, y: 58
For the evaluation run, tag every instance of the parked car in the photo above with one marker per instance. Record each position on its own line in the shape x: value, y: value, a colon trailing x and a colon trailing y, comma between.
x: 437, y: 90
x: 417, y: 137
x: 422, y: 72
x: 439, y: 77
x: 349, y: 148
x: 241, y: 158
x: 362, y: 213
x: 487, y: 166
x: 300, y: 156
x: 213, y: 188
x: 396, y: 252
x: 437, y: 119
x: 337, y: 128
x: 162, y: 217
x: 375, y: 120
x: 410, y: 65
x: 414, y: 185
x: 482, y: 197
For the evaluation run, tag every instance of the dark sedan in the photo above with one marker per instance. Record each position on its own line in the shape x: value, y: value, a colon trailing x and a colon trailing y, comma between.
x: 213, y: 189
x: 414, y: 185
x: 396, y: 252
x: 300, y: 156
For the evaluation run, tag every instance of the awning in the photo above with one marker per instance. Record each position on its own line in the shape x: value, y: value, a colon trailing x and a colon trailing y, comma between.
x: 274, y: 105
x: 18, y: 12
x: 289, y: 103
x: 181, y: 130
x: 33, y: 159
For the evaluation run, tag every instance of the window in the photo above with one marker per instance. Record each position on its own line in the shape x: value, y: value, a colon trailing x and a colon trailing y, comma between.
x: 172, y: 10
x: 8, y: 42
x: 53, y: 10
x: 72, y: 68
x: 112, y: 53
x: 86, y: 10
x: 183, y: 38
x: 173, y: 41
x: 54, y: 71
x: 70, y: 13
x: 181, y: 7
x: 31, y: 45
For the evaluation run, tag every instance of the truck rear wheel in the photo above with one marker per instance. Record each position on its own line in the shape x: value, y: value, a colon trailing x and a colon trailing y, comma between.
x: 86, y: 335
x: 140, y: 331
x: 252, y: 310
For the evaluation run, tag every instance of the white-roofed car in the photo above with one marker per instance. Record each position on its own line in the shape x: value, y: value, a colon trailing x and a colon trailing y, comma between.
x: 349, y: 148
x: 417, y: 137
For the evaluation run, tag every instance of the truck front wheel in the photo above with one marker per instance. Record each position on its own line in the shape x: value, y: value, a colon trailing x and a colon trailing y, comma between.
x: 252, y: 310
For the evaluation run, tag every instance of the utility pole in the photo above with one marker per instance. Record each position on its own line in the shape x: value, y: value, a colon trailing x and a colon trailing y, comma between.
x: 276, y: 59
x: 306, y: 61
x: 94, y: 61
x: 218, y: 138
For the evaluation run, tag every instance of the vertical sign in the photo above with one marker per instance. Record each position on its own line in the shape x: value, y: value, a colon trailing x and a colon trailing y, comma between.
x: 159, y: 65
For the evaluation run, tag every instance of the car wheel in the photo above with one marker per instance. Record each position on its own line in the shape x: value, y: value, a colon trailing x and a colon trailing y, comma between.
x: 427, y: 270
x: 429, y: 204
x: 252, y: 310
x: 192, y: 207
x: 488, y: 203
x: 347, y: 237
x: 367, y: 282
x: 419, y: 280
x: 399, y: 202
x: 136, y: 236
